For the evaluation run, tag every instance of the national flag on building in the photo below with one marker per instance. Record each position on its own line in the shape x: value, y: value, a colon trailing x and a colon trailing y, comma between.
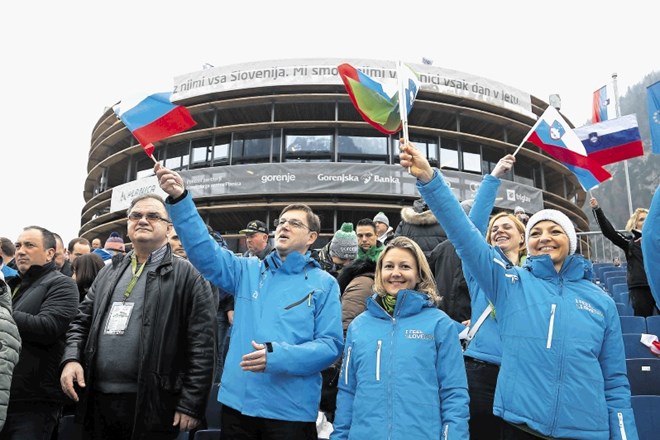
x: 653, y: 97
x: 553, y: 135
x: 153, y: 118
x: 378, y: 107
x: 613, y: 140
x: 600, y: 105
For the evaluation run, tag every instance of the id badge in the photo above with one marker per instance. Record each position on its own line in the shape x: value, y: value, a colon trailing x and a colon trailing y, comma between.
x: 118, y: 318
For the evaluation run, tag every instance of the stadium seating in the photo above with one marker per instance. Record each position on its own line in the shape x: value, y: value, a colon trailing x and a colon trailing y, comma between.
x: 653, y: 325
x: 625, y: 299
x: 599, y: 268
x: 646, y: 409
x: 610, y: 281
x: 618, y: 289
x: 634, y: 347
x: 633, y: 324
x: 624, y: 309
x: 608, y: 272
x: 644, y: 376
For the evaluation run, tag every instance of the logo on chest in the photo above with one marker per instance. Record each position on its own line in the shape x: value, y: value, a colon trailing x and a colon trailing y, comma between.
x: 417, y: 334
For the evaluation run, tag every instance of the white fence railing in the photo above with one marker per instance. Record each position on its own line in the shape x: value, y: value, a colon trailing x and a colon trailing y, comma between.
x: 599, y: 249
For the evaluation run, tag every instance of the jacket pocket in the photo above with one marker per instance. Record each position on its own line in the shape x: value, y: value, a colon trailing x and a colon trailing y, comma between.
x: 307, y: 298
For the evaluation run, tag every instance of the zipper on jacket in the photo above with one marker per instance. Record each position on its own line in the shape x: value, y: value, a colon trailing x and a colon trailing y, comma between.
x: 622, y: 426
x: 551, y: 327
x: 445, y: 432
x: 380, y: 345
x: 307, y: 298
x: 348, y: 361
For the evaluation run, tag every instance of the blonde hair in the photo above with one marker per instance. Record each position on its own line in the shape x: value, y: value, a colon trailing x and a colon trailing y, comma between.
x: 632, y: 221
x: 522, y: 247
x: 426, y: 282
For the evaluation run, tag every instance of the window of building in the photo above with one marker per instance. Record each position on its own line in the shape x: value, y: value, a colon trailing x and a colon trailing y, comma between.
x: 309, y: 146
x: 177, y: 155
x: 427, y: 146
x: 362, y: 146
x: 471, y: 154
x: 252, y: 147
x: 305, y: 111
x: 525, y: 170
x: 202, y: 152
x: 449, y: 153
x: 221, y: 150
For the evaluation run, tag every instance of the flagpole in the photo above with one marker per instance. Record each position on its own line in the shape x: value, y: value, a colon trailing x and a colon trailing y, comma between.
x: 625, y: 162
x: 403, y: 103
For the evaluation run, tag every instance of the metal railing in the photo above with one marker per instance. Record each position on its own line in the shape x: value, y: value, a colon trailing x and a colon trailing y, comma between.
x: 599, y: 249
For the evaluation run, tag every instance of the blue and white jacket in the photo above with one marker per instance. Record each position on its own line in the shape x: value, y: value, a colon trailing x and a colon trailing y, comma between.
x: 563, y: 371
x: 294, y: 305
x: 486, y: 344
x: 402, y: 376
x: 651, y: 246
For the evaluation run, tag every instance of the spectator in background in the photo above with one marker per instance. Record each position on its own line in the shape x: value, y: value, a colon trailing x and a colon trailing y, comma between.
x: 44, y: 303
x: 78, y: 246
x: 383, y: 229
x: 85, y: 268
x: 61, y: 258
x: 96, y: 243
x: 256, y: 239
x: 403, y: 380
x: 640, y: 296
x: 7, y: 251
x: 616, y: 262
x: 339, y: 251
x: 114, y: 245
x: 561, y: 337
x: 369, y: 246
x: 419, y: 224
x: 10, y: 343
x: 521, y: 215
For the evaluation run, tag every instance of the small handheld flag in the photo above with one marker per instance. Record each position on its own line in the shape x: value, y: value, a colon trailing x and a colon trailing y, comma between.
x: 153, y: 118
x: 408, y: 87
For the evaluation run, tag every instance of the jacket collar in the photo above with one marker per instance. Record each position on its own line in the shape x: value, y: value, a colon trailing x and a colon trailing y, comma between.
x: 409, y: 302
x: 295, y: 262
x: 575, y: 267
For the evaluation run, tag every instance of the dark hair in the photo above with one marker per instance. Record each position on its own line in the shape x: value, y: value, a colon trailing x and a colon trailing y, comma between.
x: 47, y: 237
x: 7, y: 247
x: 143, y: 197
x: 77, y: 240
x: 313, y: 221
x: 366, y: 222
x: 86, y: 267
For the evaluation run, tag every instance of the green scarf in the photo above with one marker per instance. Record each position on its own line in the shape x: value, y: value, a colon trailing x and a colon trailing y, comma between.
x: 389, y: 302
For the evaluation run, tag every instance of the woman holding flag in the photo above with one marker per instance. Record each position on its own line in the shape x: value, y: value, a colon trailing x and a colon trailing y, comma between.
x: 563, y: 372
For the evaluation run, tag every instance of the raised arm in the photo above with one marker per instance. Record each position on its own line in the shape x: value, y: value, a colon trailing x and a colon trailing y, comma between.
x: 606, y: 227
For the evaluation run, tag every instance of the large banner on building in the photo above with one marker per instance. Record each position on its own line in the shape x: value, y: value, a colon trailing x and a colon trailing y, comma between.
x: 324, y: 72
x: 322, y: 178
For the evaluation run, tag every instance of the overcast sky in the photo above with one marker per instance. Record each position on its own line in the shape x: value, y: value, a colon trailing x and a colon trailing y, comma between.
x: 64, y: 62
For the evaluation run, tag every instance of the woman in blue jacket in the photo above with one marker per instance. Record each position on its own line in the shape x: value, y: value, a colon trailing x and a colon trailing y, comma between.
x: 563, y: 372
x: 402, y: 375
x: 651, y: 247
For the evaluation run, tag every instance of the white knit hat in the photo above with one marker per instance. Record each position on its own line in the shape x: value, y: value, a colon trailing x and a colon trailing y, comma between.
x: 381, y: 217
x: 557, y: 217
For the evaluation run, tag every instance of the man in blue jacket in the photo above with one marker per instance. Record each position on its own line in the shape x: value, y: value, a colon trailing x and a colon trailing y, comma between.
x: 287, y: 320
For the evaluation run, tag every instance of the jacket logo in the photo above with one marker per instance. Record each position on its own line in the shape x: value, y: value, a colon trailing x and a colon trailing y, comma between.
x: 417, y: 334
x: 581, y: 304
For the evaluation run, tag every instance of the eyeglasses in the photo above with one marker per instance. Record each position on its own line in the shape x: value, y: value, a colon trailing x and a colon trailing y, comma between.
x: 150, y: 216
x: 292, y: 222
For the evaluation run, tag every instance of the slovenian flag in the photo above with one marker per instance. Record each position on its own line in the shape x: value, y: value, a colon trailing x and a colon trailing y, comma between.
x: 599, y: 105
x: 153, y: 118
x: 377, y: 106
x: 553, y: 135
x: 613, y: 140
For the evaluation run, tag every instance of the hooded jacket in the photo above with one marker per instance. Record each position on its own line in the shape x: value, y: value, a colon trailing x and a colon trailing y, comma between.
x: 10, y: 348
x: 419, y: 224
x: 403, y: 376
x: 292, y: 304
x: 563, y: 371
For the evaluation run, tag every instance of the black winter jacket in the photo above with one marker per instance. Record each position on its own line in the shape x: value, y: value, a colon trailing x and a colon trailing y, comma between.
x: 422, y: 227
x: 43, y: 307
x: 630, y: 245
x: 177, y: 343
x: 450, y: 282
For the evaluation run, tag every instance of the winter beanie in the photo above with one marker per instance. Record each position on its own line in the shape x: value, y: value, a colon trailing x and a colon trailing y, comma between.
x: 115, y: 243
x: 557, y: 217
x: 344, y: 244
x: 381, y: 217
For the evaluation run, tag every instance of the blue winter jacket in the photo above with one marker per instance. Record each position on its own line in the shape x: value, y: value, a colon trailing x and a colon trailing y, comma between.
x: 294, y: 305
x: 486, y: 344
x: 651, y: 246
x: 403, y: 375
x: 563, y: 371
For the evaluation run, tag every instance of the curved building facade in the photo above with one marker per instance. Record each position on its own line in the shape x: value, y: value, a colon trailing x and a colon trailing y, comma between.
x: 272, y: 133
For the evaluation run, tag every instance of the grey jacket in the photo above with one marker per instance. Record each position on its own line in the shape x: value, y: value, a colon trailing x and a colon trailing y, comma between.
x: 10, y: 348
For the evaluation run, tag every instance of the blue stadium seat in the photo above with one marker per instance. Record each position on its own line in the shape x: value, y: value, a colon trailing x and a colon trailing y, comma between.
x: 634, y: 347
x: 602, y: 268
x: 625, y: 299
x: 618, y: 289
x: 633, y: 324
x: 644, y: 376
x: 612, y: 280
x: 604, y: 273
x: 646, y: 410
x: 653, y: 325
x: 624, y: 309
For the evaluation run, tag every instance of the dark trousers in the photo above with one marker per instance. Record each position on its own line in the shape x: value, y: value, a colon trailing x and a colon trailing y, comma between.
x: 642, y: 301
x: 113, y: 416
x: 511, y: 432
x: 34, y: 421
x: 236, y: 426
x: 482, y: 378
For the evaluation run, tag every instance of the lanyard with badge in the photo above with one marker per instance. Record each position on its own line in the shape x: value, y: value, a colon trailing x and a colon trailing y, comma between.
x: 120, y: 313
